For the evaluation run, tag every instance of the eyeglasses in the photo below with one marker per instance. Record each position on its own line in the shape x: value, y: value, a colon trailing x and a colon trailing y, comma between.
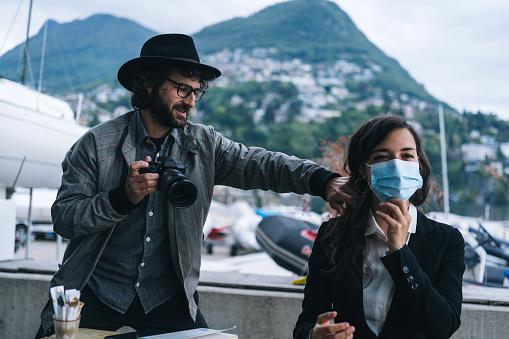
x: 184, y: 90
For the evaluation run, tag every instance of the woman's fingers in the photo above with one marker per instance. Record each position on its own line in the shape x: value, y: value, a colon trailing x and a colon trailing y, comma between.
x: 323, y: 329
x: 324, y: 318
x: 395, y: 213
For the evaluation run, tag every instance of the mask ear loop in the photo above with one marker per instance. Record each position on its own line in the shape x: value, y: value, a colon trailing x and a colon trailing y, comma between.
x: 356, y: 185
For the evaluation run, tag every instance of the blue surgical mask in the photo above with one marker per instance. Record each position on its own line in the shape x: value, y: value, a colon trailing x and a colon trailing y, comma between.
x: 395, y: 179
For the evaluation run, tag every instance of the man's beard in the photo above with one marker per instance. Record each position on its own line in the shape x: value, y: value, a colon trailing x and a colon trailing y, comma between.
x: 165, y: 115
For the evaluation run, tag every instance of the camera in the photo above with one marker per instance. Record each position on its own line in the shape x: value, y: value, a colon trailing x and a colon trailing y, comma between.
x: 179, y: 190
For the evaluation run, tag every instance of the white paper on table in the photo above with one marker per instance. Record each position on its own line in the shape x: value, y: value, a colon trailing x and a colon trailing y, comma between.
x: 189, y: 334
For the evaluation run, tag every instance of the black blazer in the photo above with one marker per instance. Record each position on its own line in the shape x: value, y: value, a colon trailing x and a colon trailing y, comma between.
x: 428, y: 277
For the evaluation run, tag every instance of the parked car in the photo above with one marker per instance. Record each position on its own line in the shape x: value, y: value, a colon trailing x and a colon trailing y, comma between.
x: 40, y: 214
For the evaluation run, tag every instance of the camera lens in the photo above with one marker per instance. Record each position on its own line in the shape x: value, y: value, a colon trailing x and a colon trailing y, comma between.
x: 180, y: 191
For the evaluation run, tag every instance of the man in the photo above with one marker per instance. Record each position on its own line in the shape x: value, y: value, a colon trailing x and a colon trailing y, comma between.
x: 135, y: 255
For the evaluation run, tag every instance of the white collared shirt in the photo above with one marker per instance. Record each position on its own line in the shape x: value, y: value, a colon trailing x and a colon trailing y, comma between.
x: 377, y: 296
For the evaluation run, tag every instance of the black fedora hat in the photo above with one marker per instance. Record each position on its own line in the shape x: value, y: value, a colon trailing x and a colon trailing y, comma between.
x: 162, y: 50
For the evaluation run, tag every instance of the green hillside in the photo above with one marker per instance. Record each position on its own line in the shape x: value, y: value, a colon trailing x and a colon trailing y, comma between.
x: 79, y: 54
x: 84, y: 53
x: 262, y: 99
x: 315, y: 31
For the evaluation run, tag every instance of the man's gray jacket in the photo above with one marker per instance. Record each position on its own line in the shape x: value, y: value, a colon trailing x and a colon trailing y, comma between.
x: 92, y: 169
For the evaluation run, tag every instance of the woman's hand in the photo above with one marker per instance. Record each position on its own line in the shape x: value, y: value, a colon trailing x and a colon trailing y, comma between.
x: 395, y: 213
x: 323, y: 329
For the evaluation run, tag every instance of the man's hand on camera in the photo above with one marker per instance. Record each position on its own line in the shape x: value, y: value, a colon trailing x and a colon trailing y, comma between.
x: 339, y: 191
x: 137, y: 185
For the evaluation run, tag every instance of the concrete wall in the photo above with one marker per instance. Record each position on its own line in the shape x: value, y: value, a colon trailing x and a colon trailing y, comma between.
x: 22, y: 298
x: 257, y: 314
x: 262, y: 314
x: 483, y: 322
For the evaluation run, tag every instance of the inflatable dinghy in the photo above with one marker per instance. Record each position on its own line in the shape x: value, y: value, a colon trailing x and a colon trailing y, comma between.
x: 288, y: 241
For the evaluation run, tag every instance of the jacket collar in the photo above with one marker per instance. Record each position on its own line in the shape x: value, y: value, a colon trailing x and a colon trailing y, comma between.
x: 183, y: 137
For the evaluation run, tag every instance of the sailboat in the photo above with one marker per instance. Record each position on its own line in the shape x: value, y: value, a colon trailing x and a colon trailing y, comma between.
x: 36, y: 130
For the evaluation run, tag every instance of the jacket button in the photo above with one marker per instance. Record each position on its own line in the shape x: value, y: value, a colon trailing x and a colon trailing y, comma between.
x: 410, y: 278
x: 406, y: 269
x: 415, y: 286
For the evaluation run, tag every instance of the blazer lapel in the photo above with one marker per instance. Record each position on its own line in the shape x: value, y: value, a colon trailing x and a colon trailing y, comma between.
x: 355, y: 298
x: 423, y: 244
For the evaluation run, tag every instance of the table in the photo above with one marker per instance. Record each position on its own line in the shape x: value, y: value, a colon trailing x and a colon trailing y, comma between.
x: 86, y: 333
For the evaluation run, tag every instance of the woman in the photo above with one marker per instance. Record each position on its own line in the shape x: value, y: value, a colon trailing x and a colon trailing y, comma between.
x: 383, y: 269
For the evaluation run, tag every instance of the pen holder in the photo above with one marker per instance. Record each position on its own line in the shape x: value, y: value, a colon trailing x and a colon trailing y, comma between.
x: 66, y: 329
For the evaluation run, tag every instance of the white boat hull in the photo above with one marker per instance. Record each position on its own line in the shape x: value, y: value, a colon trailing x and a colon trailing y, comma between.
x: 35, y: 133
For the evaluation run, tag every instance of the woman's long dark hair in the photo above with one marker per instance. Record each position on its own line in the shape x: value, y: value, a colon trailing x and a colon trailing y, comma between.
x: 344, y: 239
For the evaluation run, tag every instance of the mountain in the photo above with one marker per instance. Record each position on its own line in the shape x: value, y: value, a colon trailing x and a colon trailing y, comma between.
x: 84, y: 53
x: 79, y: 54
x: 301, y: 62
x: 315, y: 31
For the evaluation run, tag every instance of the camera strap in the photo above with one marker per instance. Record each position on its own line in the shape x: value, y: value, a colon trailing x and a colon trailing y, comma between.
x: 123, y: 175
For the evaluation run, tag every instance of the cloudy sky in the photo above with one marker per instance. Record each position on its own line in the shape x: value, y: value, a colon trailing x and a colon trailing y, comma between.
x: 458, y: 49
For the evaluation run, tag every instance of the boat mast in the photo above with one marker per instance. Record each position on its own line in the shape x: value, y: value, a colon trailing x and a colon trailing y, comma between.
x: 41, y: 70
x: 25, y: 54
x: 444, y: 158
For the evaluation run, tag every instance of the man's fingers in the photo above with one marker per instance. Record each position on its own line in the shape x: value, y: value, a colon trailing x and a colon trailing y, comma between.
x: 348, y: 196
x: 352, y: 201
x: 351, y: 194
x: 139, y: 185
x: 340, y: 190
x: 338, y: 206
x: 147, y: 184
x: 135, y: 166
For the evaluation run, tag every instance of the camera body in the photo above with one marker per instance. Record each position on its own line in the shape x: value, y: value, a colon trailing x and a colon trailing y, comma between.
x: 179, y: 190
x: 162, y: 164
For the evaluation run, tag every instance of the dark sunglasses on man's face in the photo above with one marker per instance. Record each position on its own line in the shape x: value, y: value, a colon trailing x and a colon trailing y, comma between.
x: 184, y: 90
